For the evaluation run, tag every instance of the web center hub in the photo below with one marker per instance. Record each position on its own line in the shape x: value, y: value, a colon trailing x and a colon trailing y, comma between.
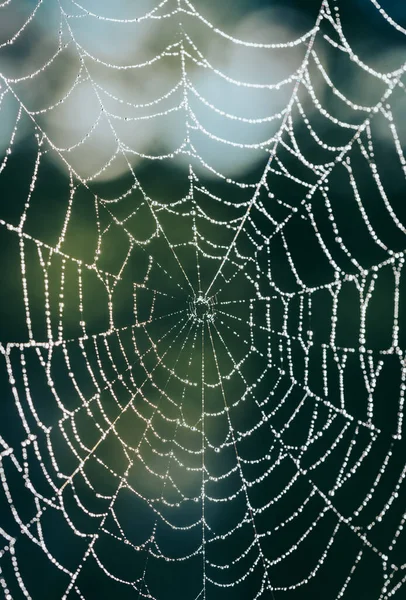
x: 201, y: 309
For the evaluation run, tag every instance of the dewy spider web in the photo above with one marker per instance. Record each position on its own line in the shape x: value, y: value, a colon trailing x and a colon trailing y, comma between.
x: 203, y: 390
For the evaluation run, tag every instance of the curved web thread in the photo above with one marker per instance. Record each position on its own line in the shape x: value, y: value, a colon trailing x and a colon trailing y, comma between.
x: 207, y: 397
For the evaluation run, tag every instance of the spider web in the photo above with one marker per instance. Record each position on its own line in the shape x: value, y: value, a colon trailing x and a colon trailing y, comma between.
x: 203, y: 387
